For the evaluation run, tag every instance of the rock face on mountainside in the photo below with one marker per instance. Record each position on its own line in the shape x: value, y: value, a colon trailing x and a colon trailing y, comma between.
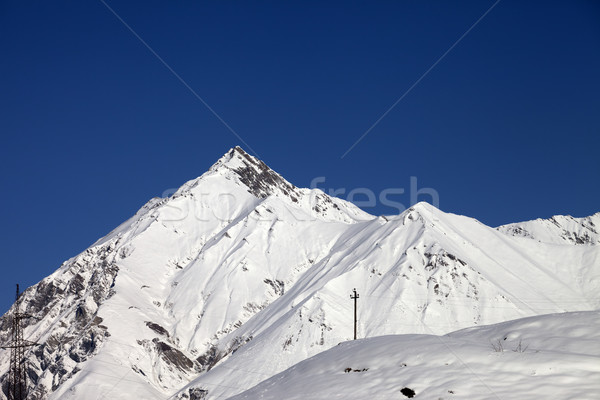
x: 240, y: 274
x: 558, y: 229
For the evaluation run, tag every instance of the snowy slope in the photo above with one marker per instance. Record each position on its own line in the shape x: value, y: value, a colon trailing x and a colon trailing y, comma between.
x: 121, y: 299
x: 421, y: 272
x: 558, y: 229
x: 240, y: 275
x: 544, y: 357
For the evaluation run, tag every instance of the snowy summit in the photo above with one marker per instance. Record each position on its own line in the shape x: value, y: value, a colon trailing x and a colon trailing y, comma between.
x: 238, y: 286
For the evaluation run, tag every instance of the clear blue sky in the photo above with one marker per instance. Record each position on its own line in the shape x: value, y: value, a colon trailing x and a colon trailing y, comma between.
x: 505, y: 127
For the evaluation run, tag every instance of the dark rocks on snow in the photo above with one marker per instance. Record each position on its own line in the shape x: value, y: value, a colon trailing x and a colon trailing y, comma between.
x: 157, y: 328
x: 173, y: 356
x: 198, y: 394
x: 260, y: 179
x: 277, y: 286
x: 210, y: 358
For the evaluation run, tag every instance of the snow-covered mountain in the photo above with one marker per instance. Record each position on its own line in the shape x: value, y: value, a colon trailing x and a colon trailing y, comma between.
x: 558, y: 229
x: 239, y: 275
x: 551, y: 356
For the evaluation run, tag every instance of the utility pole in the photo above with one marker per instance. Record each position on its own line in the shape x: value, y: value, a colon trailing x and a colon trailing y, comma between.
x: 17, y: 380
x: 354, y: 297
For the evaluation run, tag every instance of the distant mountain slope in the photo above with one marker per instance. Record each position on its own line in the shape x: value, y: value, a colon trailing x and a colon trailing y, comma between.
x: 544, y: 357
x: 558, y: 229
x: 240, y: 275
x: 423, y: 271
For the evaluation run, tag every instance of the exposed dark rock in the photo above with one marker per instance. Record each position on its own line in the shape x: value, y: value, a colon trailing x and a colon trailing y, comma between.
x: 77, y: 284
x: 197, y: 394
x: 210, y: 358
x: 70, y: 301
x: 277, y: 286
x: 213, y: 355
x: 174, y: 356
x: 260, y: 179
x: 157, y: 328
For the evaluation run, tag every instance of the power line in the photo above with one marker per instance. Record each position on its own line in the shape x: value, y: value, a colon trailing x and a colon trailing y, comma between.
x: 355, y: 297
x: 17, y: 380
x: 419, y: 80
x: 179, y: 78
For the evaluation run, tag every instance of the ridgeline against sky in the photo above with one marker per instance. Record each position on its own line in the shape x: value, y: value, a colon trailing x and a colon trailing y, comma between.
x: 107, y: 104
x: 239, y: 275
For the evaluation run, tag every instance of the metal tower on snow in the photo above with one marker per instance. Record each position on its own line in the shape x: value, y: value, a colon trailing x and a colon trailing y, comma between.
x: 354, y: 297
x: 17, y: 379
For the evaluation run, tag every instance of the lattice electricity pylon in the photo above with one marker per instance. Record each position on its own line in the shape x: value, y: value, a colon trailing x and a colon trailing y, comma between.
x: 17, y: 379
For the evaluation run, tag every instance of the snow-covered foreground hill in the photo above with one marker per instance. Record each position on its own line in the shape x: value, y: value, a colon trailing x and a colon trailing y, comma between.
x: 553, y: 356
x: 240, y: 275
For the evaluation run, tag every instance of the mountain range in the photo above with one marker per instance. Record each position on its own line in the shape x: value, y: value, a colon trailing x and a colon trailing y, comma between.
x: 240, y: 275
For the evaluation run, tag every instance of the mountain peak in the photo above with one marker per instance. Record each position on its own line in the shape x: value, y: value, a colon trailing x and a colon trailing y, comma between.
x: 421, y: 211
x: 232, y: 159
x: 202, y: 288
x: 260, y: 180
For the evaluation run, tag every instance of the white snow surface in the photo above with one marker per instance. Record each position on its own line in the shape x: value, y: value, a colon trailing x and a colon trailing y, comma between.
x: 240, y: 275
x: 553, y: 356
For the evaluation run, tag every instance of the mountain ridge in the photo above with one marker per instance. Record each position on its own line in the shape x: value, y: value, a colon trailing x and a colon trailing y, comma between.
x: 558, y: 229
x: 240, y: 270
